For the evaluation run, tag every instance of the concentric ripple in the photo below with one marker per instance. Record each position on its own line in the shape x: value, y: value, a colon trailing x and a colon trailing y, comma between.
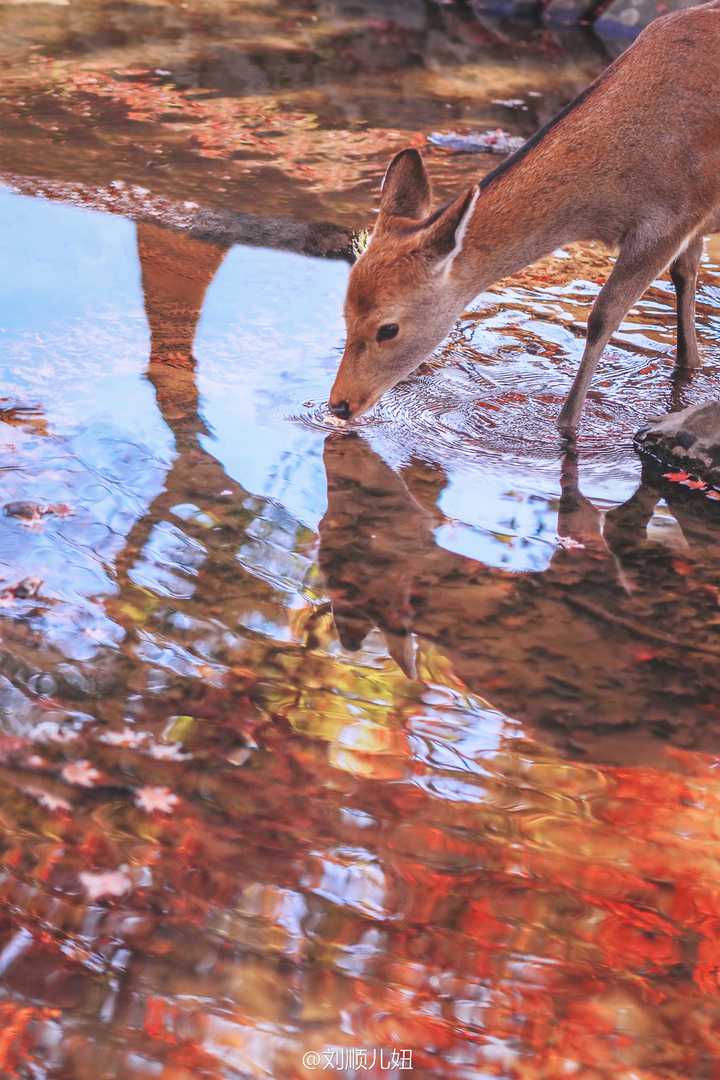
x: 492, y: 394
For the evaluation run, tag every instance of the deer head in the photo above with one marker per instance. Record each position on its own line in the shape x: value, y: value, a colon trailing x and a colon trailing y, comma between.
x: 404, y: 292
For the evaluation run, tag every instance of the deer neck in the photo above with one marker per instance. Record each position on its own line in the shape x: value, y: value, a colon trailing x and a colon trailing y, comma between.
x: 516, y: 221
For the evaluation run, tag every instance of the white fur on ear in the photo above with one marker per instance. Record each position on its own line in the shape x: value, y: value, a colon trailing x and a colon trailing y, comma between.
x: 445, y: 265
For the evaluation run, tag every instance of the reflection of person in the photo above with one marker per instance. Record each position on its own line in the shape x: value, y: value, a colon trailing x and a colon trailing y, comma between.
x: 592, y: 641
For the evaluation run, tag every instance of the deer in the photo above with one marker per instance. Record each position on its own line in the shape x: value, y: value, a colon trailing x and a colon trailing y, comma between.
x: 633, y: 162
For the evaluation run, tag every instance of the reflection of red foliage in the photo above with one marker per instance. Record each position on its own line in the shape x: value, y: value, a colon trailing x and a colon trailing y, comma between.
x: 579, y: 938
x: 16, y: 1037
x: 479, y: 923
x: 624, y: 945
x: 707, y: 972
x: 256, y: 131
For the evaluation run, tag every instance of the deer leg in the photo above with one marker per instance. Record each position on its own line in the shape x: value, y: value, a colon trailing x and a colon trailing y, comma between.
x: 637, y: 266
x: 578, y: 518
x: 684, y: 273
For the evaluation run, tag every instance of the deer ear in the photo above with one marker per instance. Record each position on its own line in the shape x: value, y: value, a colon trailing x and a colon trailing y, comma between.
x: 405, y: 189
x: 443, y: 234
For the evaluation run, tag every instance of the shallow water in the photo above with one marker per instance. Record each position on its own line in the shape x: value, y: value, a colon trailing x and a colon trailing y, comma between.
x: 399, y: 738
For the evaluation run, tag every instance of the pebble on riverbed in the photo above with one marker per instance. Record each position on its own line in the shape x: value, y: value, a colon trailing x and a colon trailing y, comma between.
x: 687, y: 444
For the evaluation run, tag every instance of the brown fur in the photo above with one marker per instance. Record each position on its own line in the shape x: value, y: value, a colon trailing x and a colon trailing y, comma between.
x: 634, y: 162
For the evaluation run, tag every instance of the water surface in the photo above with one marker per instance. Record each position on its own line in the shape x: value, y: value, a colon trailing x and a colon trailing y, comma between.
x: 402, y: 737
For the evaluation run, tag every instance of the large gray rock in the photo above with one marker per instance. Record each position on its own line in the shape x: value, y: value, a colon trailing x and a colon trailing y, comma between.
x: 687, y: 440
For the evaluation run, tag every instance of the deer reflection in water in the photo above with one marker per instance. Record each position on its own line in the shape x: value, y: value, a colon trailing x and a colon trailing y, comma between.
x: 617, y: 633
x: 299, y: 897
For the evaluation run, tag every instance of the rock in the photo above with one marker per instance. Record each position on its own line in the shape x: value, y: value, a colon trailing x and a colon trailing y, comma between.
x: 568, y: 12
x: 687, y: 440
x: 626, y: 18
x: 505, y: 8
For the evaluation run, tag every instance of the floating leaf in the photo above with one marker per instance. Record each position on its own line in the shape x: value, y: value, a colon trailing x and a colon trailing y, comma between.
x: 80, y: 772
x: 156, y: 800
x: 105, y: 883
x: 127, y: 737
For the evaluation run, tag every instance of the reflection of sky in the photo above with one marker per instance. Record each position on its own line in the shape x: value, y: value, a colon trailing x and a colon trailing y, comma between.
x: 61, y: 261
x: 73, y: 322
x: 76, y: 341
x: 265, y: 346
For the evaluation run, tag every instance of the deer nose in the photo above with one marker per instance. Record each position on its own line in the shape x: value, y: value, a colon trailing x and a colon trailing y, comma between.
x: 341, y: 409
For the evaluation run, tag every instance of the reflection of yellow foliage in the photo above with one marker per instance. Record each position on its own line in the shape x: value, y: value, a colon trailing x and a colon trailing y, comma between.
x: 140, y: 609
x: 312, y: 627
x: 434, y: 666
x: 365, y: 737
x: 368, y: 749
x: 371, y: 766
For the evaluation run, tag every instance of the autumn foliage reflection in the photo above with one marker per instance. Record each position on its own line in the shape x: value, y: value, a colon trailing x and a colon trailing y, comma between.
x: 381, y: 796
x: 587, y: 894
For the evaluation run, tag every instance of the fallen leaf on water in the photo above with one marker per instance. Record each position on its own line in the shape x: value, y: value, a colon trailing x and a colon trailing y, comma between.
x: 80, y: 772
x: 53, y: 802
x: 172, y: 752
x: 156, y: 799
x: 105, y: 883
x: 567, y: 543
x: 31, y: 513
x: 21, y: 590
x: 127, y: 737
x: 27, y: 512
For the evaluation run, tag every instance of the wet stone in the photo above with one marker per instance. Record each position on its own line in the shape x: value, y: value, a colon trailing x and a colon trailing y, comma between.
x: 568, y: 12
x: 687, y: 440
x: 626, y: 18
x: 507, y: 8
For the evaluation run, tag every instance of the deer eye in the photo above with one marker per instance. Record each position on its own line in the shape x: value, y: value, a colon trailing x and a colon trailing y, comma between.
x: 389, y: 330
